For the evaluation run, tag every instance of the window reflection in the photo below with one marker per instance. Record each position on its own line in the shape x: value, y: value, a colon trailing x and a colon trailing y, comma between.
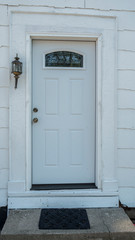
x: 63, y: 59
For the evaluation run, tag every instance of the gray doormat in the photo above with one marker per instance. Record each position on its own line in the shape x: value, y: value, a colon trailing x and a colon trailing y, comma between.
x: 64, y: 219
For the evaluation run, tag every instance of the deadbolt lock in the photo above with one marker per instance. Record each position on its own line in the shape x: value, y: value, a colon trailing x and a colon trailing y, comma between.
x: 35, y: 120
x: 35, y: 109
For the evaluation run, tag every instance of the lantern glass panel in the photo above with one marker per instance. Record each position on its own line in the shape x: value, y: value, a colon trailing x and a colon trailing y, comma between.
x: 17, y: 67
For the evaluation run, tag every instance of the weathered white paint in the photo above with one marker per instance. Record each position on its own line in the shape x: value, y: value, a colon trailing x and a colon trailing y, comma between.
x: 3, y: 178
x: 126, y: 79
x: 4, y: 104
x: 4, y: 77
x: 126, y: 40
x: 4, y: 36
x: 126, y: 21
x: 126, y: 99
x: 127, y: 196
x: 4, y: 117
x: 126, y: 119
x: 3, y: 138
x: 4, y: 15
x: 126, y: 138
x: 61, y: 202
x: 3, y: 196
x: 126, y: 60
x: 110, y: 5
x: 4, y: 97
x: 4, y: 60
x: 4, y: 159
x: 130, y: 172
x: 124, y: 11
x: 51, y: 3
x: 126, y: 158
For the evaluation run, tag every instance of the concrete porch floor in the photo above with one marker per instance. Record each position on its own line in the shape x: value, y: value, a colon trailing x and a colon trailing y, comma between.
x: 106, y: 224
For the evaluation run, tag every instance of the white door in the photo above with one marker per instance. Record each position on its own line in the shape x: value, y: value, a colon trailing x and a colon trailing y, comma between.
x: 64, y: 94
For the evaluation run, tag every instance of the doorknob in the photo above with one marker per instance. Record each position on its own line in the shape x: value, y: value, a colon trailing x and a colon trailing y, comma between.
x: 35, y: 120
x: 35, y: 109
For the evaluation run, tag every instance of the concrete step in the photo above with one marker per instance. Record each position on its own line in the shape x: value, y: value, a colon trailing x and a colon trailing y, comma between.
x: 106, y: 224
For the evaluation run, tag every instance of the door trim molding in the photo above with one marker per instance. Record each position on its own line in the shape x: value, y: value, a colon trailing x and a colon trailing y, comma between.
x: 89, y: 26
x: 53, y: 36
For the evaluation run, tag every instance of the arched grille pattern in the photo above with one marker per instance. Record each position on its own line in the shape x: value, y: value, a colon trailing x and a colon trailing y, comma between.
x: 64, y: 59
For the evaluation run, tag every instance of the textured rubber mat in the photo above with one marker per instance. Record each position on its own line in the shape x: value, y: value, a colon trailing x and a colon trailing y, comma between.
x: 64, y: 219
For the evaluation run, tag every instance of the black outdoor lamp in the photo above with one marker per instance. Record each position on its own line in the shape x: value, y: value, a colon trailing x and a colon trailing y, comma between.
x: 16, y: 69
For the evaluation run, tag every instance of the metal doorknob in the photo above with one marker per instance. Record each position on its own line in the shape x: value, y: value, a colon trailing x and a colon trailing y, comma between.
x: 35, y: 120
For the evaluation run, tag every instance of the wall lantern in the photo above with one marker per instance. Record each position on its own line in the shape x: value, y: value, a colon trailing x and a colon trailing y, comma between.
x: 16, y: 69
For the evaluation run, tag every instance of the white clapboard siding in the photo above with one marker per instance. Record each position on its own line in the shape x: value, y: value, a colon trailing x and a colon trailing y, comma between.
x: 4, y: 77
x: 3, y: 178
x: 51, y: 3
x: 3, y: 138
x: 4, y: 61
x: 126, y: 158
x: 109, y: 4
x: 126, y: 118
x: 126, y: 177
x: 4, y: 35
x: 126, y: 20
x: 3, y: 197
x: 4, y: 117
x: 127, y: 196
x: 126, y: 138
x: 4, y: 97
x: 126, y: 79
x: 3, y: 15
x: 4, y: 159
x: 126, y: 99
x: 98, y: 4
x: 4, y: 103
x: 126, y: 40
x: 126, y: 60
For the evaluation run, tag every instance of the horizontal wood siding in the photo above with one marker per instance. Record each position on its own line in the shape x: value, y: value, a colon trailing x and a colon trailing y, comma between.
x: 126, y: 80
x: 4, y: 103
x: 111, y: 5
x: 126, y: 107
x: 127, y: 196
x: 126, y: 158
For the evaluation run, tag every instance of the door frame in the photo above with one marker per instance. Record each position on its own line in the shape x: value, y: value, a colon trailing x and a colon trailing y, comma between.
x: 24, y: 25
x: 81, y: 37
x: 54, y: 47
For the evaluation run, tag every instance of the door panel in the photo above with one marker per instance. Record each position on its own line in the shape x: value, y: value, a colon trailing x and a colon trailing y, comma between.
x: 64, y: 93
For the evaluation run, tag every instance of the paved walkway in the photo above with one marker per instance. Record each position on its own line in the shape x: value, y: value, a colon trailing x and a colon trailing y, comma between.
x: 106, y: 224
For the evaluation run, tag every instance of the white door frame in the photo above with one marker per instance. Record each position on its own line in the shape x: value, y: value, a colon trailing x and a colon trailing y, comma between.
x: 98, y: 39
x: 64, y: 24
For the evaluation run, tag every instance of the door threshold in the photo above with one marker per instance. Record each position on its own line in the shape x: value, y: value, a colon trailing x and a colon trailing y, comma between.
x: 40, y: 187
